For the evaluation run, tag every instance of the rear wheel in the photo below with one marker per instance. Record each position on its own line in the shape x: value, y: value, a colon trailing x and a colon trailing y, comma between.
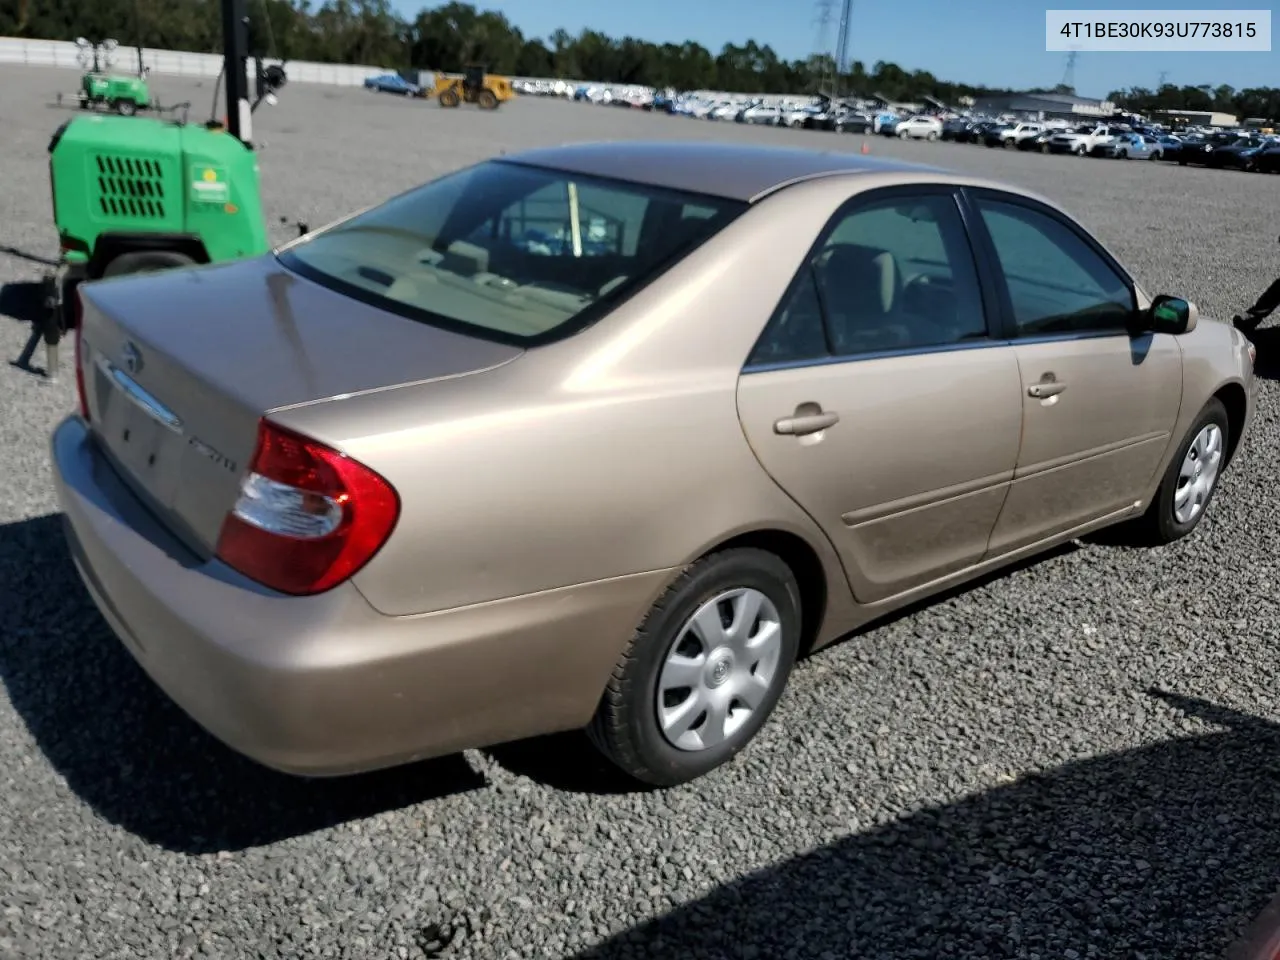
x: 146, y: 261
x: 1082, y: 151
x: 487, y: 100
x: 704, y: 670
x: 126, y: 108
x: 1190, y: 481
x: 932, y: 136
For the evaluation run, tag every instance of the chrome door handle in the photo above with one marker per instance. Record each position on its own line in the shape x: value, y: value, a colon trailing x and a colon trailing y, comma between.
x: 800, y: 426
x: 1045, y: 390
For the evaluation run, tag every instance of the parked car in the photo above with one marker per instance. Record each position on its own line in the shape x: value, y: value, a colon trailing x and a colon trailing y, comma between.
x: 1200, y: 151
x: 955, y: 128
x: 851, y: 122
x: 392, y: 83
x: 1012, y: 135
x: 1083, y: 141
x: 406, y: 485
x: 765, y: 114
x: 1170, y: 145
x: 1267, y: 160
x: 919, y: 128
x: 1131, y: 146
x: 977, y: 132
x: 1039, y: 143
x: 1240, y: 154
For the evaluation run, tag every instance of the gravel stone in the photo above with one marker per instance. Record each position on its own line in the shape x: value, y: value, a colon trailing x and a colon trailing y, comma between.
x: 1078, y: 757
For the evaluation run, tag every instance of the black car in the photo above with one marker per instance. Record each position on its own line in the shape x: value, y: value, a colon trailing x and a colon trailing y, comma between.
x: 1267, y: 160
x: 955, y: 128
x: 1239, y: 155
x: 1199, y: 150
x: 1036, y: 144
x: 978, y: 132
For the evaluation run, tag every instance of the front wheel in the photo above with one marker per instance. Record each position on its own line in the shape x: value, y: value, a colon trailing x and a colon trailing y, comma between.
x: 704, y: 670
x: 146, y: 261
x: 126, y: 108
x: 1190, y: 481
x: 903, y: 135
x: 932, y: 137
x: 1082, y: 151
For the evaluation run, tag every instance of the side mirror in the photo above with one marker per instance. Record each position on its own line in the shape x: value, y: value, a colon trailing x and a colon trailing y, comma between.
x: 1171, y: 315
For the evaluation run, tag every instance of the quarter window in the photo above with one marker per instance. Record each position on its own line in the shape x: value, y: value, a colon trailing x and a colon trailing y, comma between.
x: 892, y: 275
x: 1057, y: 284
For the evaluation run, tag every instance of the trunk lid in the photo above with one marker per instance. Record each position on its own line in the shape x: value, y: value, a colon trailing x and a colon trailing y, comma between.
x: 180, y: 366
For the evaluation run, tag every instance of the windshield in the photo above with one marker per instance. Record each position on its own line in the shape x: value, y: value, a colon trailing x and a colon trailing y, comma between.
x: 510, y: 252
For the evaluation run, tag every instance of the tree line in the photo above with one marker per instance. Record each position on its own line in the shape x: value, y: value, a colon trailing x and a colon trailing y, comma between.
x: 455, y: 34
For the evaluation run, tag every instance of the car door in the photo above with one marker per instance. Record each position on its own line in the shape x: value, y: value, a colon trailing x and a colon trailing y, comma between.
x: 1099, y: 404
x: 877, y: 398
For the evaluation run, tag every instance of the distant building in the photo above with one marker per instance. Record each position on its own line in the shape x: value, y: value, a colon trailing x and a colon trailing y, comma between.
x: 1046, y: 106
x: 1197, y: 118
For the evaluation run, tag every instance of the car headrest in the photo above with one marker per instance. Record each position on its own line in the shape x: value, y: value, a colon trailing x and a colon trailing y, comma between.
x: 860, y: 278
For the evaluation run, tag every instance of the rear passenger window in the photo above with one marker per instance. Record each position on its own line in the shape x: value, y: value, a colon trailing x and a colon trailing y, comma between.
x: 893, y: 275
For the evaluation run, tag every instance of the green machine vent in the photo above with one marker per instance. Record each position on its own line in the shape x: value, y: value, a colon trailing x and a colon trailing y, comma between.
x: 130, y: 188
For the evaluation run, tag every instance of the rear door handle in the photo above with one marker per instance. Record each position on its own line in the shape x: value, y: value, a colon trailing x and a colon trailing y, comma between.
x: 1045, y: 390
x: 800, y: 426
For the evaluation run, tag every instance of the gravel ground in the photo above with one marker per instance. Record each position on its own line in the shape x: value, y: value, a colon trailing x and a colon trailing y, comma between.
x: 1075, y: 759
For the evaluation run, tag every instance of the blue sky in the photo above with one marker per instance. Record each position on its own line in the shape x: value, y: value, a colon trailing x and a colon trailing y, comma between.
x: 993, y: 42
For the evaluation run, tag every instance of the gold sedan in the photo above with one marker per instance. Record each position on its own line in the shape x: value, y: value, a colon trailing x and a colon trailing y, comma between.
x: 606, y: 436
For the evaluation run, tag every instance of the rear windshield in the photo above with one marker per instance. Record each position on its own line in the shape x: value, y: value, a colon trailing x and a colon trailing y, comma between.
x: 510, y: 252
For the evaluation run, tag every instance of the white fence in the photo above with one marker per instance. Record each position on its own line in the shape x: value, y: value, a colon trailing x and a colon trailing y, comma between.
x: 177, y: 63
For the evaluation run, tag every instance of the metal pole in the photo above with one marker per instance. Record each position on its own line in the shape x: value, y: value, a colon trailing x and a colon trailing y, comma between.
x: 842, y: 43
x: 235, y: 43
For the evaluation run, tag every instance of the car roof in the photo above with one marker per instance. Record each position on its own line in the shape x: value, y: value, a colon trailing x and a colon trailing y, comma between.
x: 734, y: 171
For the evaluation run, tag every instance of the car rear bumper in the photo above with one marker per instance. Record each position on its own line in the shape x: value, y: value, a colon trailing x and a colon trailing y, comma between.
x: 326, y: 685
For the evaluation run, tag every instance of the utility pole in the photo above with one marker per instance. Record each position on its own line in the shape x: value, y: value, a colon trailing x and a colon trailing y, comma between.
x: 842, y: 42
x: 1069, y: 75
x: 822, y: 43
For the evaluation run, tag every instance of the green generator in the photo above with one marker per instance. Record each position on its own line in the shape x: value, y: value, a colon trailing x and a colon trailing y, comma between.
x: 145, y: 194
x: 125, y: 95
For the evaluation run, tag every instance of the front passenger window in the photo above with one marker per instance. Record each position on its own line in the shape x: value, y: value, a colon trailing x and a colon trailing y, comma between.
x: 1057, y: 283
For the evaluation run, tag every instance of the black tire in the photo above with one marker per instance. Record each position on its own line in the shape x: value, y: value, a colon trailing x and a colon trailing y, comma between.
x: 625, y: 728
x: 1159, y: 526
x: 487, y: 100
x: 449, y: 98
x: 1081, y: 151
x: 146, y: 261
x: 126, y: 108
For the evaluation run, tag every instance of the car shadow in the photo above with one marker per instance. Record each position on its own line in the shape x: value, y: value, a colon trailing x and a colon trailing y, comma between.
x: 1267, y: 342
x: 23, y: 301
x: 1162, y: 851
x: 130, y: 752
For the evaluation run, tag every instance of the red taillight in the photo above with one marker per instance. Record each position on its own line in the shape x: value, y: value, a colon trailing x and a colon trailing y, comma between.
x: 79, y: 359
x: 308, y: 517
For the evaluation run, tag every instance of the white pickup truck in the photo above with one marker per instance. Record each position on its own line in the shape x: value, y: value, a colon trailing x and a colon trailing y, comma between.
x: 1082, y: 141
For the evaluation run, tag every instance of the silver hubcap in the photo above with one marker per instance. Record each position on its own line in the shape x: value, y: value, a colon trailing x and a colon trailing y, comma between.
x: 719, y: 669
x: 1198, y: 474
